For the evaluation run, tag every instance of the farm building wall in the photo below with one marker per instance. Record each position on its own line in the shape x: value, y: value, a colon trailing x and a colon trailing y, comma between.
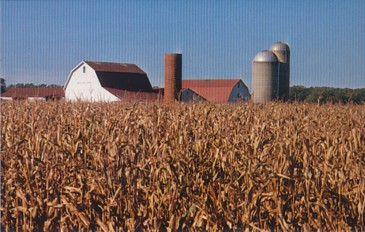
x: 83, y: 84
x: 187, y: 95
x: 215, y: 90
x: 239, y: 92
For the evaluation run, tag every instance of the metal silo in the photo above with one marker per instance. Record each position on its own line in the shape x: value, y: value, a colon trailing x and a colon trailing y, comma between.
x: 265, y: 68
x: 173, y: 76
x: 282, y: 52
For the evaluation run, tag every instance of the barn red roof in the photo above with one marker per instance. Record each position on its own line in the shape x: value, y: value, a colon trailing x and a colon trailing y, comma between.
x: 135, y: 96
x: 214, y: 90
x: 34, y: 92
x: 114, y: 67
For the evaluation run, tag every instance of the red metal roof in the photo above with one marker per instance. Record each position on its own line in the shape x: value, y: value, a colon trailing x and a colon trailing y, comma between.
x: 34, y: 92
x: 121, y: 76
x: 135, y: 96
x: 214, y: 90
x: 114, y: 67
x: 134, y: 82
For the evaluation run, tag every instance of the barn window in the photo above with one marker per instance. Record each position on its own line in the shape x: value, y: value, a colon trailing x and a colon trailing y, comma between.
x: 238, y: 85
x: 84, y: 69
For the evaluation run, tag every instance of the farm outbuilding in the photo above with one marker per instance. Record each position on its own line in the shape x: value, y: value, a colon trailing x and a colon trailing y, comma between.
x: 282, y: 52
x: 173, y: 76
x: 271, y: 74
x: 105, y: 81
x: 265, y: 68
x: 33, y: 94
x: 214, y: 90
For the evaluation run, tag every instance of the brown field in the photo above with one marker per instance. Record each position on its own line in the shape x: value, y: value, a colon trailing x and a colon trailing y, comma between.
x: 122, y: 166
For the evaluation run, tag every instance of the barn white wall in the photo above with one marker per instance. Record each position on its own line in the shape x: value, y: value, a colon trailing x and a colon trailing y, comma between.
x: 239, y: 89
x: 86, y: 86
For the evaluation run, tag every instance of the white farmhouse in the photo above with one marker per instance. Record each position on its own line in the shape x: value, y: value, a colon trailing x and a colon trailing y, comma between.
x: 104, y: 81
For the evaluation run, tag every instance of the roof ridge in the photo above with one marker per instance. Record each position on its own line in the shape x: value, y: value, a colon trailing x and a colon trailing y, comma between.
x: 106, y: 62
x: 101, y: 66
x: 208, y: 79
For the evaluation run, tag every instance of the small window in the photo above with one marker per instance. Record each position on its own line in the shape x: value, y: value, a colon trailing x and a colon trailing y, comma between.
x: 238, y: 85
x: 84, y: 69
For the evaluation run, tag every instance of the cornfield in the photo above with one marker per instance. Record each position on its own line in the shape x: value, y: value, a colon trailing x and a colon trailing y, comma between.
x: 138, y: 166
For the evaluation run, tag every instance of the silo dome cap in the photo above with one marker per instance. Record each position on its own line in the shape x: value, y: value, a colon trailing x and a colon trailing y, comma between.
x: 280, y: 46
x: 265, y: 56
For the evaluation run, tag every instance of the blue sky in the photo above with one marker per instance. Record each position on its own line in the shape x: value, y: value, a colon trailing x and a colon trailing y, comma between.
x: 41, y: 41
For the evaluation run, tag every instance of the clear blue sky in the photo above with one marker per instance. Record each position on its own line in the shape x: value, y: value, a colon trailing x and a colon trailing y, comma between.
x: 41, y: 41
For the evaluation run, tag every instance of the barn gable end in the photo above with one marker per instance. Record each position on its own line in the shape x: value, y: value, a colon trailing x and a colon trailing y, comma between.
x: 83, y: 84
x: 104, y: 81
x: 216, y: 90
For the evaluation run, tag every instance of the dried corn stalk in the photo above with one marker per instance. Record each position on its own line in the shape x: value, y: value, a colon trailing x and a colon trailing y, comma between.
x: 129, y: 166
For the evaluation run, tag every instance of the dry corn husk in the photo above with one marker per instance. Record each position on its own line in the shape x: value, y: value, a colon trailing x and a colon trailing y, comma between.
x: 147, y: 166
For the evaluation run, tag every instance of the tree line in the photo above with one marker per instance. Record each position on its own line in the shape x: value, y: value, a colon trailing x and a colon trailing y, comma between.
x: 326, y: 94
x: 4, y: 87
x: 31, y: 85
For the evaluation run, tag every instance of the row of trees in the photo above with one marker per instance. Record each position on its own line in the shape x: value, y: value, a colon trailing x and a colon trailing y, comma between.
x: 326, y: 94
x: 22, y: 85
x: 3, y: 85
x: 31, y: 85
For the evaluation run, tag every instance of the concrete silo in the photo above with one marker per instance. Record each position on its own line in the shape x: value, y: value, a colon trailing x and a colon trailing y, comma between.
x: 282, y: 52
x: 173, y: 76
x: 265, y: 68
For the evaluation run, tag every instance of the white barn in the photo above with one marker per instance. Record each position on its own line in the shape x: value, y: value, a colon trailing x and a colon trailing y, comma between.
x: 104, y: 81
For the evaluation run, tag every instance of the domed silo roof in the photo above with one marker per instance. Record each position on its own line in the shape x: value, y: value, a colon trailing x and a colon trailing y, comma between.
x: 282, y: 52
x: 265, y: 68
x: 265, y: 56
x: 280, y: 46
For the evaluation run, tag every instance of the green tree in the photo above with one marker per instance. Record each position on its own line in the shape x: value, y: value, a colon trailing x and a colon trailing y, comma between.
x: 298, y: 93
x: 3, y: 85
x: 326, y: 94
